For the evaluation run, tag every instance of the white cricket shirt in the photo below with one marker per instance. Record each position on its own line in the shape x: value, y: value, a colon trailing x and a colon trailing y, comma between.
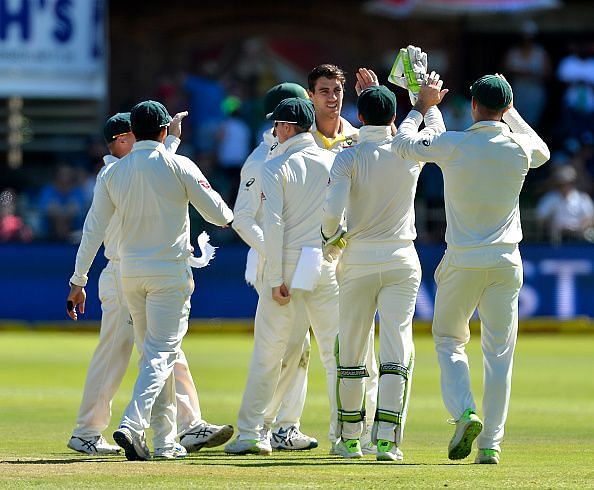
x: 294, y: 188
x: 150, y: 189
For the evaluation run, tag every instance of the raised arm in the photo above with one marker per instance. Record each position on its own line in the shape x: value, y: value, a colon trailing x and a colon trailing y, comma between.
x: 203, y: 197
x: 538, y: 150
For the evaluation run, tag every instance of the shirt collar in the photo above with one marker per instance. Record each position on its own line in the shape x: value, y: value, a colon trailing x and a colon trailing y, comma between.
x: 345, y: 131
x: 296, y: 143
x: 107, y: 159
x: 268, y: 138
x: 374, y: 133
x: 148, y: 145
x: 489, y: 124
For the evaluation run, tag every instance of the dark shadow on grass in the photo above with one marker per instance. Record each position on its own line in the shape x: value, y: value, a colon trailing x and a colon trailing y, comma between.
x: 93, y: 459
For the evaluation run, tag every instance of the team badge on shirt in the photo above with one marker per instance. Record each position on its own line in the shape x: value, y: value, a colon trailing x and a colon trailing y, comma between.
x: 205, y: 184
x: 250, y: 182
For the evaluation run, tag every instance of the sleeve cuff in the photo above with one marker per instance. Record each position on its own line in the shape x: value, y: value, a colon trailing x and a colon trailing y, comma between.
x: 77, y: 280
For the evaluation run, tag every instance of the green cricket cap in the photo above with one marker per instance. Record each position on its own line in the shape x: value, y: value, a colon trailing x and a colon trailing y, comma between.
x: 149, y: 117
x: 116, y: 125
x: 492, y: 91
x: 295, y: 111
x: 377, y: 105
x: 280, y: 92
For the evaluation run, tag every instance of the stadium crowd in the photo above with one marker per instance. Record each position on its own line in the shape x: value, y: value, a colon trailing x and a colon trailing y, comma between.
x: 226, y: 122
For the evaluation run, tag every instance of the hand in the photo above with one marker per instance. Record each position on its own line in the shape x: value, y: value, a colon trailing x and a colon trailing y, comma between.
x: 281, y: 295
x: 365, y: 79
x: 76, y: 299
x: 430, y: 94
x: 175, y: 125
x: 333, y: 246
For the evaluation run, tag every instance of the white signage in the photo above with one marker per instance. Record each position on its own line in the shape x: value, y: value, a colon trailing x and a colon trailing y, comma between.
x: 52, y: 48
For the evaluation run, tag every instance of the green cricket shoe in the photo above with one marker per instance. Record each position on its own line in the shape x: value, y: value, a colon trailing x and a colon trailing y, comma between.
x: 487, y: 456
x: 350, y: 449
x: 468, y: 427
x: 388, y: 451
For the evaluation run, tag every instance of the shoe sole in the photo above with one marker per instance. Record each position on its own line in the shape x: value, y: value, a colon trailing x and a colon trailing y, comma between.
x: 487, y: 461
x: 127, y: 445
x: 385, y: 457
x: 218, y: 439
x: 257, y: 452
x: 464, y: 446
x: 312, y: 445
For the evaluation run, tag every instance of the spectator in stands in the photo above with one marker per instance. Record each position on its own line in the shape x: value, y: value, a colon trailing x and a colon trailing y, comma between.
x: 528, y: 66
x: 566, y: 213
x: 233, y: 144
x: 576, y: 71
x: 12, y: 227
x: 62, y: 206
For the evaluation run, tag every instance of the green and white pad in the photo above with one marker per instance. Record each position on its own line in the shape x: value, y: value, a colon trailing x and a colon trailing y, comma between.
x: 397, y: 418
x: 348, y: 372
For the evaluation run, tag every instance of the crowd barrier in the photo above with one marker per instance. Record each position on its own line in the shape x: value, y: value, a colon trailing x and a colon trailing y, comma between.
x: 558, y: 283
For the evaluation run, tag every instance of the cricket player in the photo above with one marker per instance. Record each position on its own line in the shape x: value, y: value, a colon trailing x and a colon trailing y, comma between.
x: 379, y: 270
x: 294, y: 184
x: 149, y: 189
x: 334, y: 133
x: 112, y: 354
x: 284, y: 412
x: 484, y: 169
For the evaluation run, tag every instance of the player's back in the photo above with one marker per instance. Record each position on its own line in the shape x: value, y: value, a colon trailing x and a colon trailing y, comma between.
x: 152, y: 202
x: 483, y: 177
x: 382, y: 191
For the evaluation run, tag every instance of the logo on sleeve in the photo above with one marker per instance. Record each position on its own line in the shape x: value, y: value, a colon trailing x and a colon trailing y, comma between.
x: 426, y: 142
x: 205, y: 184
x: 275, y: 144
x: 250, y: 182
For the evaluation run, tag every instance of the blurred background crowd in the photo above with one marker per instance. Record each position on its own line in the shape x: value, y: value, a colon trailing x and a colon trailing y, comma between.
x: 217, y: 62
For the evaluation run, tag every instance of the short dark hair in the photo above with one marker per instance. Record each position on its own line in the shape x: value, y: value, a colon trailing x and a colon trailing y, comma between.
x: 326, y: 70
x: 147, y: 136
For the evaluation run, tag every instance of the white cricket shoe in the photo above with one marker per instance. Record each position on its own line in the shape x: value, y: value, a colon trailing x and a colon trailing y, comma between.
x: 249, y: 446
x: 134, y: 445
x: 350, y: 449
x: 468, y: 427
x: 92, y: 445
x: 176, y: 452
x: 205, y: 435
x: 388, y: 451
x: 292, y: 439
x: 367, y: 445
x: 487, y: 456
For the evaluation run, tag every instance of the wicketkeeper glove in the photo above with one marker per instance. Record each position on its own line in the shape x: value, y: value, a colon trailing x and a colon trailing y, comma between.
x: 333, y: 246
x: 409, y: 71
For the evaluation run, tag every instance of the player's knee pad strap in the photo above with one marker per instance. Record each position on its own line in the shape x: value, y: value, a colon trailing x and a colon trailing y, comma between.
x: 352, y: 417
x: 352, y: 372
x: 388, y: 416
x: 394, y: 368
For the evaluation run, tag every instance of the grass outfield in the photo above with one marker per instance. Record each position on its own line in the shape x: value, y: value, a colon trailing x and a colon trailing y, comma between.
x: 549, y: 441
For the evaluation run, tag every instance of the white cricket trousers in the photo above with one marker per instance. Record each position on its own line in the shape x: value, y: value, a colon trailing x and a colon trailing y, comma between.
x: 279, y: 335
x: 160, y: 308
x: 110, y: 361
x: 494, y: 292
x: 391, y: 289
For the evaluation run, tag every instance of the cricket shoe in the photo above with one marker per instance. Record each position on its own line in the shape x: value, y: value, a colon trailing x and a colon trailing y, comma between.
x: 292, y: 439
x: 468, y: 427
x: 175, y: 452
x: 350, y: 449
x: 367, y: 445
x: 92, y: 445
x: 249, y: 446
x: 487, y: 456
x: 388, y: 451
x: 134, y: 445
x: 205, y: 435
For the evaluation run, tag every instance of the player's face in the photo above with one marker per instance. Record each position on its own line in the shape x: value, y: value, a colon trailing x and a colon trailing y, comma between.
x: 327, y: 97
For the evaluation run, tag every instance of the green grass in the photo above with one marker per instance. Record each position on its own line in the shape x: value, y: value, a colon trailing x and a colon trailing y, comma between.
x: 549, y: 440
